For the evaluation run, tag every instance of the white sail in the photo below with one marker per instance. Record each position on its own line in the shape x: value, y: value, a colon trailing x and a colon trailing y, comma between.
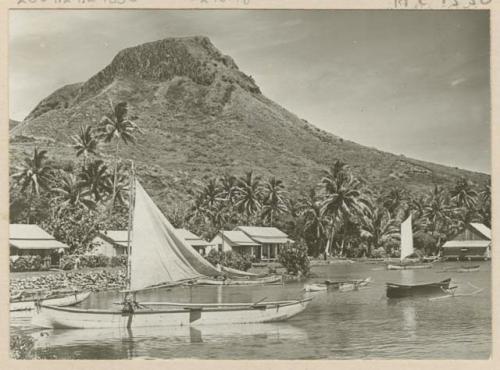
x: 406, y: 238
x: 156, y: 255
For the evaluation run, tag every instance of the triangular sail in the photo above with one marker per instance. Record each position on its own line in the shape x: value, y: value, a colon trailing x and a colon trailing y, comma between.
x: 406, y: 238
x: 156, y: 251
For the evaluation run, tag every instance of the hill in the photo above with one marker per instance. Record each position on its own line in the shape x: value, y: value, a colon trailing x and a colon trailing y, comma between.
x: 201, y: 117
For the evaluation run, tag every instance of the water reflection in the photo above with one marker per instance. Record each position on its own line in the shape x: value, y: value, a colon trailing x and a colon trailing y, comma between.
x: 409, y: 321
x: 176, y: 334
x: 350, y: 325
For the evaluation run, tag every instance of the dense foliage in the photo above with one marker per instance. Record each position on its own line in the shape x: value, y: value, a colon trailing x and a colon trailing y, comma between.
x: 73, y: 201
x: 230, y: 259
x: 26, y: 263
x: 294, y: 259
x: 341, y: 215
x: 71, y: 261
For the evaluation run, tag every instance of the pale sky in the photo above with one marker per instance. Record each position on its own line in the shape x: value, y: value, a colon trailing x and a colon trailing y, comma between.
x: 413, y: 83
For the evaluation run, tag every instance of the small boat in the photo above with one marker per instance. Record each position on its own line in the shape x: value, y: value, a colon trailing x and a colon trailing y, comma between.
x: 409, y: 267
x: 468, y: 268
x: 161, y: 258
x: 337, y: 284
x: 315, y: 287
x: 274, y: 279
x: 402, y: 290
x: 21, y: 302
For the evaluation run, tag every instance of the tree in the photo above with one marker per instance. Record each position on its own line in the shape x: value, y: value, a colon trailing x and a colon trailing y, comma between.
x: 228, y: 188
x: 463, y: 194
x: 343, y: 197
x: 394, y: 200
x: 437, y: 212
x: 274, y: 201
x: 117, y: 126
x: 378, y: 228
x: 97, y: 179
x: 211, y: 194
x: 315, y: 221
x: 249, y: 195
x: 33, y: 176
x: 69, y: 192
x: 85, y: 143
x: 483, y: 206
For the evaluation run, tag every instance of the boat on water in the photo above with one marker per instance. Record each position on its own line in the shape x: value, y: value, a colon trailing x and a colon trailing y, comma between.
x: 310, y: 288
x: 407, y: 250
x: 274, y: 279
x: 403, y: 290
x: 338, y: 284
x: 27, y: 301
x: 342, y: 285
x: 158, y: 257
x: 408, y: 267
x: 469, y: 268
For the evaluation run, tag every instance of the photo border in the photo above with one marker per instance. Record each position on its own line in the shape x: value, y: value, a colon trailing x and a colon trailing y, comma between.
x: 414, y: 5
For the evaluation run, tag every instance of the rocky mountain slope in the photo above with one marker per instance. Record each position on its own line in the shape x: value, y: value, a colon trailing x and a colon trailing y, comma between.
x: 201, y: 117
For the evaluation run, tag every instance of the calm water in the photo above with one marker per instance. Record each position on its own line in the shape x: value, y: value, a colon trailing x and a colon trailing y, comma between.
x: 350, y: 325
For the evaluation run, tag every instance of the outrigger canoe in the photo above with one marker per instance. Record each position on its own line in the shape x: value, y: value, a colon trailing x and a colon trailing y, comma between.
x: 275, y: 279
x: 401, y: 290
x: 409, y: 267
x: 170, y: 314
x: 162, y: 258
x: 23, y: 303
x: 469, y: 268
x: 343, y: 286
x: 339, y: 284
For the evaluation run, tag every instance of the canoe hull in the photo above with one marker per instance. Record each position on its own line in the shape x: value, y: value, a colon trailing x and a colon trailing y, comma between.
x: 65, y: 318
x: 68, y: 300
x: 261, y: 281
x: 402, y: 291
x: 408, y: 267
x: 315, y: 288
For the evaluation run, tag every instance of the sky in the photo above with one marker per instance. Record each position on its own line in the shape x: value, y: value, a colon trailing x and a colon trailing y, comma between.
x: 407, y: 82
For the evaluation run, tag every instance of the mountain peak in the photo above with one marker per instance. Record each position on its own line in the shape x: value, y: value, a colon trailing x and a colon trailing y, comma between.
x: 193, y: 57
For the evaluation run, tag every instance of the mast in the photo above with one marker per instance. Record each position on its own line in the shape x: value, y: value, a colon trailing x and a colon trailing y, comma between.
x: 131, y: 201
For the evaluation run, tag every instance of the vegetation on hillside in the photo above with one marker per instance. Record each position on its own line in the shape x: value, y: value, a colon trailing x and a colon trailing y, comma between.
x: 341, y: 215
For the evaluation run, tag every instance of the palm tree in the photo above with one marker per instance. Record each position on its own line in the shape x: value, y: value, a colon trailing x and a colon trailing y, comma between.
x: 437, y: 213
x: 122, y: 186
x: 343, y: 198
x: 85, y: 143
x: 97, y: 179
x: 378, y: 228
x: 274, y: 201
x: 249, y: 195
x: 484, y: 205
x: 393, y: 200
x: 33, y: 176
x: 333, y: 176
x: 69, y: 192
x: 116, y: 126
x: 315, y: 221
x: 463, y: 194
x: 228, y: 188
x: 210, y: 194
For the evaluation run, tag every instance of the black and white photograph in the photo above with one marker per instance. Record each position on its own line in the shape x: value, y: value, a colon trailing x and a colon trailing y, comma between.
x: 243, y: 184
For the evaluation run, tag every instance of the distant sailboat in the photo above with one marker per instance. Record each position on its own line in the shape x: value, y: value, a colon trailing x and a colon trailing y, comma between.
x: 407, y: 249
x: 158, y: 257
